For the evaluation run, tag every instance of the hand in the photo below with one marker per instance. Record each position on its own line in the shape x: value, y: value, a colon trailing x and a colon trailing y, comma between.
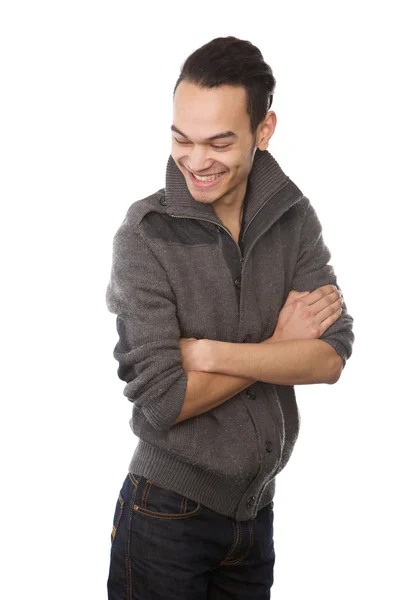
x: 194, y: 353
x: 307, y: 315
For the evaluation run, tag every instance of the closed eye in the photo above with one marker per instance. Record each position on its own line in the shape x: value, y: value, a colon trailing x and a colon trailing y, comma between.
x: 186, y: 143
x: 220, y: 147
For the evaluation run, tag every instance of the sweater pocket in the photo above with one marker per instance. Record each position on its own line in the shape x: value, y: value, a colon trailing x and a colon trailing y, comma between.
x: 223, y: 441
x: 226, y: 442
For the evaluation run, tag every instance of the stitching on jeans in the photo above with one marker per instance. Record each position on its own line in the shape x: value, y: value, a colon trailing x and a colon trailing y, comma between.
x: 147, y: 494
x: 239, y: 527
x: 184, y: 505
x: 144, y: 493
x: 228, y: 560
x: 236, y: 538
x: 121, y: 508
x: 127, y: 551
x: 233, y: 544
x: 157, y: 515
x: 128, y: 573
x: 237, y: 560
x: 134, y: 480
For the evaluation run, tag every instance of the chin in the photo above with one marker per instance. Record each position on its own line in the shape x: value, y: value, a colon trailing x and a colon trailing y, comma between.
x: 201, y: 198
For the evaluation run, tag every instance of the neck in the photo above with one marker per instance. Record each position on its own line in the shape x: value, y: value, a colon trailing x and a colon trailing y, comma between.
x: 229, y: 209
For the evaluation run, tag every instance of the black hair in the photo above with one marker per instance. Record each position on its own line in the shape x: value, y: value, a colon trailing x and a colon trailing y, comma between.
x: 231, y: 61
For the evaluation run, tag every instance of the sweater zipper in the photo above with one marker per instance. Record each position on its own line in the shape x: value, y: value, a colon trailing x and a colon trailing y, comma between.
x: 218, y: 225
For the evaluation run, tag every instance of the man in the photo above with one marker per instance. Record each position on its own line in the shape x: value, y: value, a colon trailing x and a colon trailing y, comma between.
x: 225, y: 301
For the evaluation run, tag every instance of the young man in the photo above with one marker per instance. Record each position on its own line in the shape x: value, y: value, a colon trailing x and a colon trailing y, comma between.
x: 225, y: 300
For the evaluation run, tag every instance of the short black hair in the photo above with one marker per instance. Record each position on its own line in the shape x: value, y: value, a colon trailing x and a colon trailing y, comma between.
x: 231, y: 61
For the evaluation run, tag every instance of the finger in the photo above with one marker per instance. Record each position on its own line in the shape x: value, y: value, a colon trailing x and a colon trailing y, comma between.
x: 320, y: 293
x: 329, y: 310
x: 313, y: 309
x: 335, y: 299
x: 330, y: 321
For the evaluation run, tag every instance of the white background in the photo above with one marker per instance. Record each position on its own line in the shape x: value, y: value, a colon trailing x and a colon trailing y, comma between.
x: 86, y: 109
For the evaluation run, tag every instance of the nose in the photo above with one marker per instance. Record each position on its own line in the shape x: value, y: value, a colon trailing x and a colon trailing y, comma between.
x: 197, y: 159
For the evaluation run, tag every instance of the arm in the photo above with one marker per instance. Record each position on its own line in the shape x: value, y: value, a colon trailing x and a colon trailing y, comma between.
x: 298, y: 361
x: 147, y: 350
x: 281, y: 363
x: 314, y: 271
x: 208, y: 390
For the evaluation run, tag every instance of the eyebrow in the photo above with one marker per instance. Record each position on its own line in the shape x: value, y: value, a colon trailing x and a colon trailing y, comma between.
x: 222, y: 135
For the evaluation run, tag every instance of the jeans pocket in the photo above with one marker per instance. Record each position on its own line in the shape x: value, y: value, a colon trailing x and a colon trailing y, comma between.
x: 158, y: 502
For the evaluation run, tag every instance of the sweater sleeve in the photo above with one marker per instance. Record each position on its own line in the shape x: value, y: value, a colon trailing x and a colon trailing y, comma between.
x: 148, y: 351
x: 313, y: 271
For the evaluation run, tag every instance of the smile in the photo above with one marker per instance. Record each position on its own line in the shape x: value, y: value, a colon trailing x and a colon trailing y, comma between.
x: 207, y: 177
x: 204, y: 181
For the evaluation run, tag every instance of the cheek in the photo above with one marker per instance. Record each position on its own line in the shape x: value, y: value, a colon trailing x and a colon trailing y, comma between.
x: 238, y: 164
x: 177, y: 152
x: 237, y: 170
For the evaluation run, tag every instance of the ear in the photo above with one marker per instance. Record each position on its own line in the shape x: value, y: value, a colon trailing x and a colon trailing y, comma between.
x: 266, y: 130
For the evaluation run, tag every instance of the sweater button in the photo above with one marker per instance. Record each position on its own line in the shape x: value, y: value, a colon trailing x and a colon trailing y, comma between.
x: 238, y: 282
x: 163, y: 201
x: 268, y: 446
x: 250, y: 501
x: 250, y: 394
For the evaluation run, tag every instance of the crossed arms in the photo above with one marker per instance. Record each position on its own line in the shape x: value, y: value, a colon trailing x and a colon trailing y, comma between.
x: 166, y: 383
x: 291, y: 356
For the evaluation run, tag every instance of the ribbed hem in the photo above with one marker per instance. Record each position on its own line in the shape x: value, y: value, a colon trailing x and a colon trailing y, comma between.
x: 219, y: 494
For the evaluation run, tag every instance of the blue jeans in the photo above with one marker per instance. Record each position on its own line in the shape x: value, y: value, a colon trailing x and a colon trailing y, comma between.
x: 165, y: 546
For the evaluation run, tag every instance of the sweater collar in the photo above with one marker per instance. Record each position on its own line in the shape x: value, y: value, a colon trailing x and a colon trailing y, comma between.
x: 265, y: 179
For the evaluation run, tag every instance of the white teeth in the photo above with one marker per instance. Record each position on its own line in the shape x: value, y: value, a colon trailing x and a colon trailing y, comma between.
x: 209, y: 178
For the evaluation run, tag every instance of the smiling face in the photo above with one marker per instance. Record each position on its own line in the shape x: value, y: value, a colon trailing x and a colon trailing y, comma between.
x: 212, y: 143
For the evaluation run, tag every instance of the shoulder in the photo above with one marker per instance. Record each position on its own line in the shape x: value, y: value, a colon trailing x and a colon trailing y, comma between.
x: 137, y: 212
x: 139, y: 209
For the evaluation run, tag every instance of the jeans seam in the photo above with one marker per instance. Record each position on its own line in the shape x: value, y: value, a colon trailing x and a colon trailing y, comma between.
x: 145, y: 496
x: 128, y: 543
x: 134, y: 480
x: 145, y: 492
x: 238, y: 560
x: 234, y: 544
x: 167, y: 516
x: 121, y: 508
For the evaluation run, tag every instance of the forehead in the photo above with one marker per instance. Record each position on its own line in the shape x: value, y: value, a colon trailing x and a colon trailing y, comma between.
x: 210, y: 109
